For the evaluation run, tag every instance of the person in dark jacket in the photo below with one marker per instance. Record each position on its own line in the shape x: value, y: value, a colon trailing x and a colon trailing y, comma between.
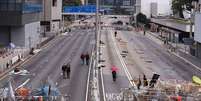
x: 68, y: 70
x: 64, y: 71
x: 87, y: 58
x: 145, y: 82
x: 82, y: 56
x: 139, y: 83
x: 115, y: 33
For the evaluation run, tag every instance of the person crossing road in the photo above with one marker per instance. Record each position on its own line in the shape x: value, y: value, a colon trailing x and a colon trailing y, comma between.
x: 82, y: 56
x: 114, y: 72
x: 66, y: 70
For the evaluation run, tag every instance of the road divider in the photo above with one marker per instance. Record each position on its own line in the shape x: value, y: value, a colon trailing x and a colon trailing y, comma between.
x: 122, y: 62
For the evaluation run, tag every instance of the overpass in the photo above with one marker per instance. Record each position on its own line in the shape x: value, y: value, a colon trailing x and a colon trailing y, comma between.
x: 77, y: 13
x: 110, y: 6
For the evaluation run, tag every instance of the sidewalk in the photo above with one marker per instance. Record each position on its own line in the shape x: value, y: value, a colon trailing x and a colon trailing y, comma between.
x: 179, y: 51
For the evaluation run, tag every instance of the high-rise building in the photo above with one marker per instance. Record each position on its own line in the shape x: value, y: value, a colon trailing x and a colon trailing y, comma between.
x: 51, y: 16
x: 197, y: 35
x: 154, y: 9
x: 20, y: 22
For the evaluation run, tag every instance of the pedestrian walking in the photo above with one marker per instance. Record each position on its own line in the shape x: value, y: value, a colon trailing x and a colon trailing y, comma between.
x: 82, y: 56
x: 87, y: 58
x: 114, y: 72
x: 64, y: 71
x: 145, y: 82
x: 115, y: 33
x: 139, y: 83
x: 7, y: 65
x: 144, y: 32
x: 68, y: 70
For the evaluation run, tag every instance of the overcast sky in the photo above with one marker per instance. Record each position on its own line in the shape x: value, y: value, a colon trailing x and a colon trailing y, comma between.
x: 164, y: 6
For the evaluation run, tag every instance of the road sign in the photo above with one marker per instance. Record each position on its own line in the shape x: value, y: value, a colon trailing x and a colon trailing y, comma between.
x: 188, y: 41
x: 80, y: 9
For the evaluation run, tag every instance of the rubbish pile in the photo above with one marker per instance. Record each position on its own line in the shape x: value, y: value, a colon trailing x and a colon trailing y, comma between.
x: 170, y: 91
x: 163, y: 90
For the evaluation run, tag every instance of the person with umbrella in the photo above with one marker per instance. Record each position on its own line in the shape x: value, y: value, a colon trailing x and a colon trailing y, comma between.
x: 114, y: 72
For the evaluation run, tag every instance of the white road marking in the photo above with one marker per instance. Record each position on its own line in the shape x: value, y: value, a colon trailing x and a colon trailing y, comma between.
x: 122, y: 62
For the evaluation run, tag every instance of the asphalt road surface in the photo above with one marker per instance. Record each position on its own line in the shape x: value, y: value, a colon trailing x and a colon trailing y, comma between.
x: 63, y: 49
x: 112, y: 89
x: 145, y: 56
x: 149, y: 57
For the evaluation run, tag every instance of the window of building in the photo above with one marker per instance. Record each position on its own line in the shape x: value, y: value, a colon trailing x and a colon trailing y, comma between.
x: 54, y: 3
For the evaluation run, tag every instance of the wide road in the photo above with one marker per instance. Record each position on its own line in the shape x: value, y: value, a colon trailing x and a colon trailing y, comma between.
x: 112, y: 89
x: 148, y: 56
x: 145, y: 56
x: 61, y: 50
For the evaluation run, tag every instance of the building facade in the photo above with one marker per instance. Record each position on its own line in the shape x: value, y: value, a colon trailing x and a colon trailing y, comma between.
x: 20, y: 22
x: 51, y: 16
x: 164, y: 7
x: 154, y: 9
x: 197, y: 36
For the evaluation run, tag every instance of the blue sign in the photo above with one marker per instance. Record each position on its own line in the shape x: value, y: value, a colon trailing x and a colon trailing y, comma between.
x: 80, y: 9
x: 31, y: 8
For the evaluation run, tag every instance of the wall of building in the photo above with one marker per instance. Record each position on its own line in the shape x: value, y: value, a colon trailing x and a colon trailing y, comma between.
x: 18, y: 36
x: 27, y: 35
x: 198, y: 50
x: 164, y: 7
x: 197, y: 35
x: 32, y: 34
x: 55, y: 26
x: 46, y: 13
x: 56, y: 10
x: 138, y: 6
x: 4, y: 36
x: 154, y: 9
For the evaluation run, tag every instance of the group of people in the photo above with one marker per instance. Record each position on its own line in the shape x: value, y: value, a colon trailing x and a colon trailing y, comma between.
x: 145, y: 82
x: 66, y: 67
x: 85, y: 58
x: 66, y: 70
x: 150, y: 84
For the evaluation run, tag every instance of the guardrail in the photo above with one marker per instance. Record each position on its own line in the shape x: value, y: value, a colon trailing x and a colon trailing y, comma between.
x: 89, y: 78
x: 92, y: 90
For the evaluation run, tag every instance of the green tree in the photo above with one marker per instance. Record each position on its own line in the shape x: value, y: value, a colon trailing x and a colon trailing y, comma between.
x: 178, y: 6
x: 142, y: 19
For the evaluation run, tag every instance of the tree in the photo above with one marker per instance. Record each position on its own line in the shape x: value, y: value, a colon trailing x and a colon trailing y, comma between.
x: 142, y: 19
x: 178, y: 6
